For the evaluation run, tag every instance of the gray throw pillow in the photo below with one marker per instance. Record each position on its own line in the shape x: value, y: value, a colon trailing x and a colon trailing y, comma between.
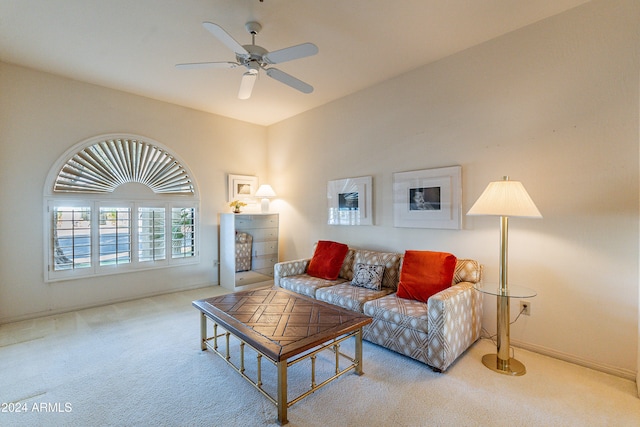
x: 368, y: 276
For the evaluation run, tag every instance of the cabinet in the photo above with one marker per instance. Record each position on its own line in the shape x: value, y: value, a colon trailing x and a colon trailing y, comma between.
x: 248, y: 249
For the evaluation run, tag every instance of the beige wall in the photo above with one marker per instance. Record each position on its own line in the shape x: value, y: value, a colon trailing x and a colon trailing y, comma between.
x: 554, y: 105
x: 41, y: 116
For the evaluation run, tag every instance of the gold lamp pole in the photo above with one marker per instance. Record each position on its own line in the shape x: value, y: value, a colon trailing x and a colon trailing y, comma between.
x: 504, y: 199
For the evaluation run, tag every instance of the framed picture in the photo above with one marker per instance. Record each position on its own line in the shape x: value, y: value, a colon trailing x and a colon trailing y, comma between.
x: 349, y: 201
x: 242, y: 187
x: 429, y: 198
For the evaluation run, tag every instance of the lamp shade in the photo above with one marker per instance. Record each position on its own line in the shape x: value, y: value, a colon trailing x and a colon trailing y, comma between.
x: 505, y: 198
x: 265, y: 191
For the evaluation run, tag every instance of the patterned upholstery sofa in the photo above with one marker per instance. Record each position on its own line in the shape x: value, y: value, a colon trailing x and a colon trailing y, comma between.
x: 435, y: 333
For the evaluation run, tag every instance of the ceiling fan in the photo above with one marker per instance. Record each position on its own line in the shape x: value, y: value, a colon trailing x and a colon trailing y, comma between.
x: 254, y: 57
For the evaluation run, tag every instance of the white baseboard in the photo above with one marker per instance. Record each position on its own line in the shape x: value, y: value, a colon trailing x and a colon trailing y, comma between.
x: 612, y: 370
x: 45, y: 313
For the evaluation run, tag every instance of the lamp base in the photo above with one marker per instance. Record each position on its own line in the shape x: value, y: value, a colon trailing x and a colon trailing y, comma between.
x: 507, y: 367
x: 264, y: 205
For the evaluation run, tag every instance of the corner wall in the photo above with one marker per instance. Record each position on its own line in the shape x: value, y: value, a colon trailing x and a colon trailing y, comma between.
x: 41, y: 116
x: 554, y: 105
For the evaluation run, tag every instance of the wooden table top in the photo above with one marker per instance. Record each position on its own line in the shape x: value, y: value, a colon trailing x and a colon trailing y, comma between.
x: 279, y: 323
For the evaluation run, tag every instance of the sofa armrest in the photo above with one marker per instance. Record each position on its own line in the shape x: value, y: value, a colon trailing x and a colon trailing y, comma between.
x: 289, y: 268
x: 454, y: 322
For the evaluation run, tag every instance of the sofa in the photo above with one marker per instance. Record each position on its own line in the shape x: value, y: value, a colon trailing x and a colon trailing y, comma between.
x: 435, y: 332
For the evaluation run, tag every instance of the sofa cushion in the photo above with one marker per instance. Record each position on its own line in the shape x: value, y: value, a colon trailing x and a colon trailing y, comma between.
x: 346, y: 272
x: 467, y: 270
x: 350, y: 297
x: 368, y: 276
x: 390, y: 260
x: 307, y: 285
x: 327, y: 260
x: 406, y: 313
x: 425, y: 273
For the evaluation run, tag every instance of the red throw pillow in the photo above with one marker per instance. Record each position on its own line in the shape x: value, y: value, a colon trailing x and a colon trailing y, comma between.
x: 327, y: 260
x: 425, y: 273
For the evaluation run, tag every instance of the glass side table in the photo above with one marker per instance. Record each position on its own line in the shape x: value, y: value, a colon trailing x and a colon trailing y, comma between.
x: 502, y: 362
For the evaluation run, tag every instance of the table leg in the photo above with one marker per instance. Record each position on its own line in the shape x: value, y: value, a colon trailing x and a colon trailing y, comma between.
x: 359, y: 352
x: 282, y: 392
x: 203, y: 331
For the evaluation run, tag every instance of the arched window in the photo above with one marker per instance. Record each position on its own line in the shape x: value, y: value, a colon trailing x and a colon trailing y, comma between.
x: 118, y: 203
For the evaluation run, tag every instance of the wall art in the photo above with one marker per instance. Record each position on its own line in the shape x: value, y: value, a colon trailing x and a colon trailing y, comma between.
x: 350, y: 201
x: 242, y: 187
x: 429, y: 198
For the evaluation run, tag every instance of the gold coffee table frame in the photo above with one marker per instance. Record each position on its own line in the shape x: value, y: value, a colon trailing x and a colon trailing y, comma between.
x: 281, y: 348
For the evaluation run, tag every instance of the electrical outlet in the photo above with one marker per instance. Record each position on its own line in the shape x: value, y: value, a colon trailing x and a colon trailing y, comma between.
x: 525, y: 308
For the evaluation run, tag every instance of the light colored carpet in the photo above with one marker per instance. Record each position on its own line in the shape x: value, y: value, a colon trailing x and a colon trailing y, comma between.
x: 139, y: 363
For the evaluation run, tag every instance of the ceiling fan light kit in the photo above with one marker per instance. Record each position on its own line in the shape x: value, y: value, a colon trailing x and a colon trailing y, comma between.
x: 254, y: 58
x: 246, y: 84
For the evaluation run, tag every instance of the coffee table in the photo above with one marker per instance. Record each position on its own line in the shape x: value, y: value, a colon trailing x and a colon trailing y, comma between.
x: 284, y: 327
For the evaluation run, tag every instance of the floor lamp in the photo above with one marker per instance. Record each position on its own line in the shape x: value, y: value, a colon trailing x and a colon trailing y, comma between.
x: 504, y: 199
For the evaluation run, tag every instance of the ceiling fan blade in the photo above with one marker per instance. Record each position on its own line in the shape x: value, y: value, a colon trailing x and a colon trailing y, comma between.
x: 291, y: 53
x: 191, y: 65
x: 246, y: 84
x: 225, y: 38
x: 289, y: 80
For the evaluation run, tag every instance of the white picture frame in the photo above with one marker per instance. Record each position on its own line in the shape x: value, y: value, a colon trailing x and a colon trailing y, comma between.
x: 350, y: 201
x: 429, y: 198
x: 242, y: 187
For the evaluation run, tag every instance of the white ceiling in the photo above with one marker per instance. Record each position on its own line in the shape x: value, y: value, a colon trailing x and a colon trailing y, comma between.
x: 133, y: 45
